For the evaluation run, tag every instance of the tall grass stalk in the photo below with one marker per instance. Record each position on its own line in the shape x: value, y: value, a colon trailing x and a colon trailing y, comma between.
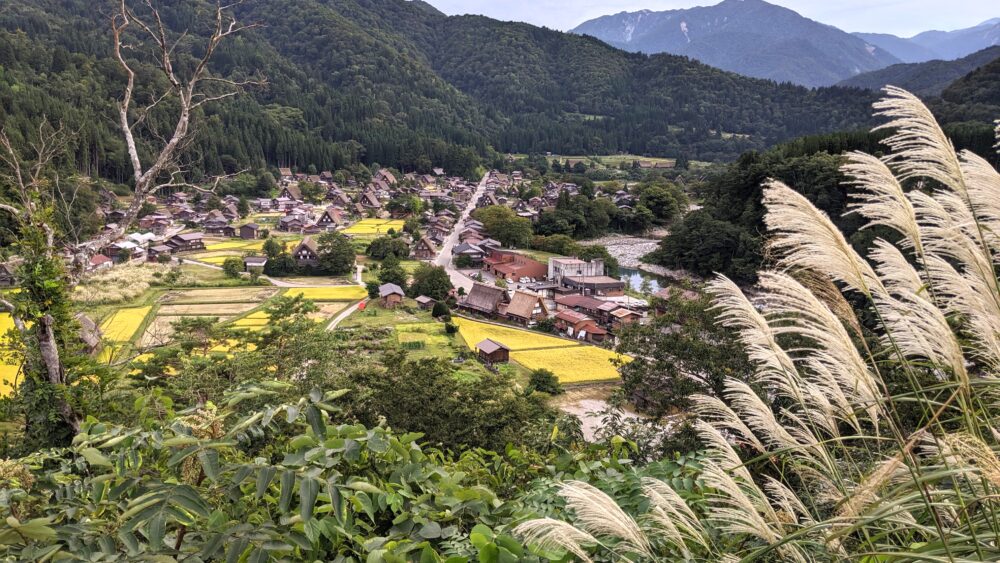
x: 870, y: 441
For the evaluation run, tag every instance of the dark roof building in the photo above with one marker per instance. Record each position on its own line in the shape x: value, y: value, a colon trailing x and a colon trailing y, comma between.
x: 485, y: 299
x: 307, y: 252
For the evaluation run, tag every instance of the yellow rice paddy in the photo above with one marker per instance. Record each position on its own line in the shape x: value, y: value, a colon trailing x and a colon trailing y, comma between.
x: 9, y: 368
x: 474, y: 332
x: 374, y: 227
x: 572, y: 362
x: 578, y: 364
x: 124, y: 323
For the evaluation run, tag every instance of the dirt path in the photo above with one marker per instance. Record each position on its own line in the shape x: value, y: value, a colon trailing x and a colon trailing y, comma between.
x: 344, y: 314
x: 584, y: 401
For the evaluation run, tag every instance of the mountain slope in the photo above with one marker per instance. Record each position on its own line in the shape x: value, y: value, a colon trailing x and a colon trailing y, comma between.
x: 553, y: 85
x: 947, y: 45
x: 393, y: 82
x: 903, y: 49
x: 974, y: 97
x: 924, y: 79
x: 954, y: 44
x: 750, y: 37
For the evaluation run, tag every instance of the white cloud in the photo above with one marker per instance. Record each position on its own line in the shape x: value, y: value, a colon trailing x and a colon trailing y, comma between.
x: 902, y: 17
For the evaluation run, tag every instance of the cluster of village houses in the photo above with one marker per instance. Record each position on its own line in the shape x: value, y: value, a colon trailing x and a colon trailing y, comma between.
x: 181, y: 223
x: 583, y: 302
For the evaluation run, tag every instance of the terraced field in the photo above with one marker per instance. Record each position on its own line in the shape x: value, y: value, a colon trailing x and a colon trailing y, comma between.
x: 222, y: 295
x: 124, y: 323
x: 578, y: 364
x: 216, y: 252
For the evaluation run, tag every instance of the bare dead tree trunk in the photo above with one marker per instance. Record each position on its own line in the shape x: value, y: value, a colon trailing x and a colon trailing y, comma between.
x: 191, y: 92
x: 31, y: 177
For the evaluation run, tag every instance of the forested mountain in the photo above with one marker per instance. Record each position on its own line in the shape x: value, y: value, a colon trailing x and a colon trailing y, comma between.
x: 582, y: 97
x: 750, y: 37
x: 398, y: 83
x: 947, y: 45
x: 974, y: 97
x: 924, y: 79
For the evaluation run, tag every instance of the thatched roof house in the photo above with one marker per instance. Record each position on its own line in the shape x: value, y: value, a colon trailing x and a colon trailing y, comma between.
x: 486, y: 299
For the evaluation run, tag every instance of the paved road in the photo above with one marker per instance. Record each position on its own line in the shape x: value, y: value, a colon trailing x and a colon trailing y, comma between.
x: 458, y: 279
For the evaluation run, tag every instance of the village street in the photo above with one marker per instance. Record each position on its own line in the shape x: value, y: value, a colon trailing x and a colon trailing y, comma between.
x: 444, y: 259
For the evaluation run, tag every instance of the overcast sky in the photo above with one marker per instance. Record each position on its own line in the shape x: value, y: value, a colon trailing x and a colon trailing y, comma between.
x: 900, y: 17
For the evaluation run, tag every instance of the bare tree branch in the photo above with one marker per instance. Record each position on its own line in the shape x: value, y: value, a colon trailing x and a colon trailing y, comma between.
x: 190, y: 96
x: 119, y: 23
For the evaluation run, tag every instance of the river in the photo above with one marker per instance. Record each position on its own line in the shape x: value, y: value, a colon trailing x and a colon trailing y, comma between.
x: 634, y: 279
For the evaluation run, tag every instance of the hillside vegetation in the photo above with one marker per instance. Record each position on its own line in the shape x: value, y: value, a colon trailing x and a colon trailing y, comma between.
x: 394, y: 82
x: 924, y: 79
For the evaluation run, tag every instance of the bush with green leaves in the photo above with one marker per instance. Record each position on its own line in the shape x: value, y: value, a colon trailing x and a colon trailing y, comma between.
x: 232, y: 267
x: 440, y: 310
x: 545, y: 381
x: 283, y: 483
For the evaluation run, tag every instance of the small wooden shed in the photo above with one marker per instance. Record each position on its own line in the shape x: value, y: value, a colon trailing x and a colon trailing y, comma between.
x: 390, y: 295
x: 492, y: 352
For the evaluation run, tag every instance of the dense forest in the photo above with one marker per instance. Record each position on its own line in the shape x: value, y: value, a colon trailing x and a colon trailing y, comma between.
x: 398, y: 83
x: 924, y: 79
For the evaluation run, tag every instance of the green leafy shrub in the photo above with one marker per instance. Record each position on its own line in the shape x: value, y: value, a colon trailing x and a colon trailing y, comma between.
x: 545, y: 381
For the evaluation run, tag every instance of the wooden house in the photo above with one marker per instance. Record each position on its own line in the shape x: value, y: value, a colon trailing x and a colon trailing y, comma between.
x: 154, y: 252
x: 251, y: 262
x: 187, y: 242
x: 579, y: 326
x: 474, y: 253
x: 492, y: 352
x: 486, y: 300
x: 386, y: 176
x: 426, y: 303
x: 307, y: 253
x: 291, y: 224
x: 250, y: 231
x: 7, y: 278
x: 331, y: 218
x: 526, y: 308
x: 292, y: 192
x: 390, y: 295
x: 370, y: 201
x: 424, y: 249
x: 621, y: 318
x: 215, y: 227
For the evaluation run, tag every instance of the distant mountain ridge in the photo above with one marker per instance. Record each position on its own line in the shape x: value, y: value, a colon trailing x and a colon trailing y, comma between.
x: 947, y: 45
x: 397, y: 83
x: 924, y: 79
x: 749, y: 37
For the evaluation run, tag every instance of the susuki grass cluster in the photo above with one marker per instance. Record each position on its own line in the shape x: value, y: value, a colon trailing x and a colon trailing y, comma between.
x: 125, y: 283
x: 872, y: 429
